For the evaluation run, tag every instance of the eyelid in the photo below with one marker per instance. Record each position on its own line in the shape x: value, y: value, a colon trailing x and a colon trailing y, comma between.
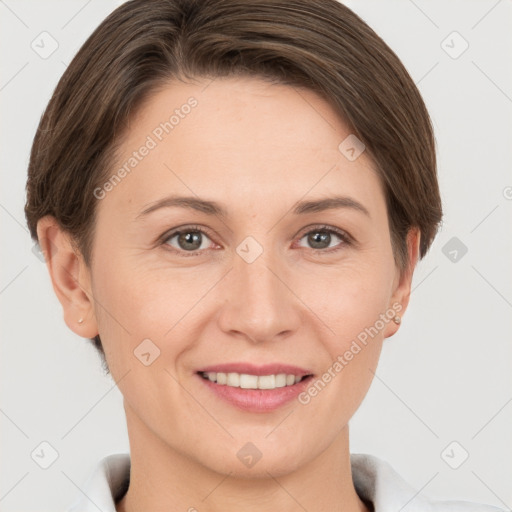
x: 186, y: 227
x: 346, y: 238
x: 326, y: 227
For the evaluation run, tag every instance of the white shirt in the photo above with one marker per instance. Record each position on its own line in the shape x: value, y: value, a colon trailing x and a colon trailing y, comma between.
x: 374, y: 480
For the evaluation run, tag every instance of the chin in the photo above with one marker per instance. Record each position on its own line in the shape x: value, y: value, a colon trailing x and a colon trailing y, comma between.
x: 262, y: 469
x: 251, y: 459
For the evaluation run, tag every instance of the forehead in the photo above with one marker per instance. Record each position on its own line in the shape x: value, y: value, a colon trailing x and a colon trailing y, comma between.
x: 244, y: 140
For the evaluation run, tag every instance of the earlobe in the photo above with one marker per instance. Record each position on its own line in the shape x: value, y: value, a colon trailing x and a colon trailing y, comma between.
x: 402, y: 291
x: 69, y: 276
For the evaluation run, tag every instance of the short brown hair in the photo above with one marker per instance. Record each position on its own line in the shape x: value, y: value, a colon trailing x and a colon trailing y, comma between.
x: 318, y: 44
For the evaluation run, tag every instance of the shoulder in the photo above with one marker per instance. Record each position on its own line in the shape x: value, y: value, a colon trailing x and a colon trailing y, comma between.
x: 376, y: 481
x: 107, y: 483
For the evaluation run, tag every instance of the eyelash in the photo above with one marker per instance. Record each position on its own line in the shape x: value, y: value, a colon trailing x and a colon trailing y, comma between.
x: 346, y: 239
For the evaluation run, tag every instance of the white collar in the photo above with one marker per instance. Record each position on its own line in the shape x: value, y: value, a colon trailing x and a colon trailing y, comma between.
x: 374, y: 480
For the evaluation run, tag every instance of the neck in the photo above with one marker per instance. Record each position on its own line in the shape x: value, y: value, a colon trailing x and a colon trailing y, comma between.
x: 163, y: 479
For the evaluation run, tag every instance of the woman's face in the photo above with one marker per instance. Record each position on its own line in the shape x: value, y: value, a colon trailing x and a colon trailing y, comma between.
x: 266, y: 282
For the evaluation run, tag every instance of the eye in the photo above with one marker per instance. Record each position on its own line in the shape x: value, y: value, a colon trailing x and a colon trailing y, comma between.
x: 320, y: 239
x: 191, y: 240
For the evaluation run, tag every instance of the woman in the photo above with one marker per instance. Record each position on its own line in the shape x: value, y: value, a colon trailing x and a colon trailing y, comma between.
x: 231, y: 198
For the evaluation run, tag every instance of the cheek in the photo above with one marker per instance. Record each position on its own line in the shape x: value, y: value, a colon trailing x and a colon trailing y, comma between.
x: 348, y: 298
x: 142, y: 320
x: 354, y: 304
x: 136, y: 303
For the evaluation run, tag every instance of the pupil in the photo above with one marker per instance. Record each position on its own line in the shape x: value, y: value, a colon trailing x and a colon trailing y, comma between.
x: 190, y: 240
x: 319, y: 238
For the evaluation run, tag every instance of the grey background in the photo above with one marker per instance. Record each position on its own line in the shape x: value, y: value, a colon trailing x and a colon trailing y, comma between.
x: 446, y: 376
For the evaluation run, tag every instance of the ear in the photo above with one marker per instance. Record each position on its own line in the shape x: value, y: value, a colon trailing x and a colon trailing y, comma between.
x: 402, y: 284
x: 70, y: 277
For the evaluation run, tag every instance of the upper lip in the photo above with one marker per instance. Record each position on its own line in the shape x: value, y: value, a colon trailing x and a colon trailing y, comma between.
x: 252, y: 369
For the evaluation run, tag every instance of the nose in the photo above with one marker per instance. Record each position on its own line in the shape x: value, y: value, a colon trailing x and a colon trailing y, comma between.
x: 259, y: 304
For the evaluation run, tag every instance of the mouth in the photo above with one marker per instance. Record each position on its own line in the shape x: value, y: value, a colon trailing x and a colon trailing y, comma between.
x: 256, y: 389
x: 248, y: 381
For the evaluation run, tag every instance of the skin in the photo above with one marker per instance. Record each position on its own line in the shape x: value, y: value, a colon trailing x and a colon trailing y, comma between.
x: 257, y: 149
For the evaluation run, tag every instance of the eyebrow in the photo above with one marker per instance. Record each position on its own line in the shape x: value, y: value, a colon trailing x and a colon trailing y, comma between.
x: 213, y: 208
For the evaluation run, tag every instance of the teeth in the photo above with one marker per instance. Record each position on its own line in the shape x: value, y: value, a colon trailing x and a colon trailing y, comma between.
x: 266, y: 382
x: 233, y: 380
x: 281, y: 380
x: 246, y: 381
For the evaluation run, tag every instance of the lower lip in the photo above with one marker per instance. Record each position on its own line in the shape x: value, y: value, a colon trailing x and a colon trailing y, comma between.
x: 257, y: 400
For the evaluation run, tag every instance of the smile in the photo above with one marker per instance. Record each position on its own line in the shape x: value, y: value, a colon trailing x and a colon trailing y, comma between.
x: 255, y: 388
x: 248, y: 381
